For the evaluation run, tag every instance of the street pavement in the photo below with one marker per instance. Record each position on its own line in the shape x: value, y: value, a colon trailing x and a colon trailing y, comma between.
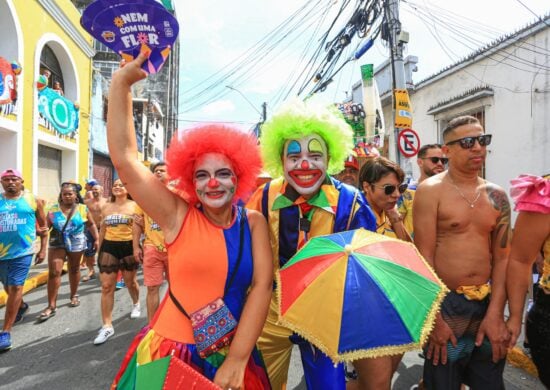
x: 59, y: 353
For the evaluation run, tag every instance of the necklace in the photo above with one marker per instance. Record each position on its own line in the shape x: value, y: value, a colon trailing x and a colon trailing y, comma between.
x: 471, y: 203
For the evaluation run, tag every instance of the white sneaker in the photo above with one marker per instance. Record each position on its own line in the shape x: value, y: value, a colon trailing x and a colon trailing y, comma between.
x: 104, y: 334
x: 136, y: 311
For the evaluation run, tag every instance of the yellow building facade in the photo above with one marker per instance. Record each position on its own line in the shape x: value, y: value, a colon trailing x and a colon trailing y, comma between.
x: 46, y: 39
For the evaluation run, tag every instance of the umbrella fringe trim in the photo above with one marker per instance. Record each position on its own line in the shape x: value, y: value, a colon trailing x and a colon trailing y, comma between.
x: 373, y: 352
x: 429, y: 322
x: 352, y: 355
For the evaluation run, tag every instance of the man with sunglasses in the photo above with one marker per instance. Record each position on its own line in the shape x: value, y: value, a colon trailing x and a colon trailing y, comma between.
x: 462, y: 228
x: 431, y: 162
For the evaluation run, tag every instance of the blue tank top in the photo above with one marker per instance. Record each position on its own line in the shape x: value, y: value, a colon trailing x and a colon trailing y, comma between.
x: 17, y: 226
x: 76, y: 224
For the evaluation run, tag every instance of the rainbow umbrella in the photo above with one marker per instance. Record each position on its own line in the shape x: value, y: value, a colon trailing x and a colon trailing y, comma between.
x: 359, y: 294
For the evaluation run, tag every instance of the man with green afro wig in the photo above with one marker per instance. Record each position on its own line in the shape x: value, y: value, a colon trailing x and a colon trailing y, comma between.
x: 298, y: 119
x: 302, y: 144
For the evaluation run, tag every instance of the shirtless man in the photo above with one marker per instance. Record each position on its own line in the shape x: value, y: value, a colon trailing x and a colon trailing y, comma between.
x: 95, y: 203
x: 462, y: 228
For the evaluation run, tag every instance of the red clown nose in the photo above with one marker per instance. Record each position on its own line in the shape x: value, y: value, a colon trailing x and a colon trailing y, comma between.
x: 305, y: 165
x: 213, y: 183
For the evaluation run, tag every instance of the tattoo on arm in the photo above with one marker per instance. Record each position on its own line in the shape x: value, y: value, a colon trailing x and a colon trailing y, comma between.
x: 500, y: 202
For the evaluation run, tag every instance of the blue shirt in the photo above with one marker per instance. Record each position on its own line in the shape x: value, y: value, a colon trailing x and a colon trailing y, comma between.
x: 17, y: 226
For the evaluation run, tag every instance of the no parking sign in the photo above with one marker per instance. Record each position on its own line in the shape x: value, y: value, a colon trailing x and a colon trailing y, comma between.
x: 408, y: 142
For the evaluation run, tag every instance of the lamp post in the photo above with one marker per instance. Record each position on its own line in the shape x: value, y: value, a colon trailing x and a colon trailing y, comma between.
x: 263, y: 114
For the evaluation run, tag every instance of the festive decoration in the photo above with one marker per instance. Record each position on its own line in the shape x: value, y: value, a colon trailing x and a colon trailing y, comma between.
x: 42, y: 82
x: 359, y: 294
x: 8, y: 92
x: 59, y: 111
x: 354, y: 114
x: 16, y: 67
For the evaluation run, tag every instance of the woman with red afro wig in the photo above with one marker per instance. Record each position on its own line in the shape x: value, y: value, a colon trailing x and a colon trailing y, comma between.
x: 239, y: 147
x: 219, y: 254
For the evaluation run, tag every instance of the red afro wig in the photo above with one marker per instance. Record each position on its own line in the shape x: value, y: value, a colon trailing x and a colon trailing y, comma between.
x: 239, y: 147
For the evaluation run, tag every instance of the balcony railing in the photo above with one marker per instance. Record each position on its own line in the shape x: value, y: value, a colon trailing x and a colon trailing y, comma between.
x: 48, y: 127
x: 8, y: 109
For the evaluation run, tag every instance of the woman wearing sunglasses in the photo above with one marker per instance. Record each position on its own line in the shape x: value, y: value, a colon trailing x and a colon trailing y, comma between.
x: 382, y: 182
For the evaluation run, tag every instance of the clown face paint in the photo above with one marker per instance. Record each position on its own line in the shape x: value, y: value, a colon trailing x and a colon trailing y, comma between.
x: 305, y: 164
x: 215, y: 182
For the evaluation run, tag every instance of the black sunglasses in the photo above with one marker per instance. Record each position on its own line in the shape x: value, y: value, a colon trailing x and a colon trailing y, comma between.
x: 390, y: 189
x: 435, y: 160
x: 469, y: 142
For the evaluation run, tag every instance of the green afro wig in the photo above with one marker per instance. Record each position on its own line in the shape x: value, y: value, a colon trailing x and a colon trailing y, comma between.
x: 297, y: 119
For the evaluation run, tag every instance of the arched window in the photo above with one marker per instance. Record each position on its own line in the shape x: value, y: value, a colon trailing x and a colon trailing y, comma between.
x: 49, y: 63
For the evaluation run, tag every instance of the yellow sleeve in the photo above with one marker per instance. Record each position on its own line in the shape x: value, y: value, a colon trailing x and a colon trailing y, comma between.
x: 255, y: 201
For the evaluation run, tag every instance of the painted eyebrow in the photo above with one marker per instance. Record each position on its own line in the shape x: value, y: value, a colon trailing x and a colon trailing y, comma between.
x: 217, y: 171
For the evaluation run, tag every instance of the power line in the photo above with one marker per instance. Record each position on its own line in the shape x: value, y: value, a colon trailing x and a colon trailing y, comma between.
x: 530, y: 10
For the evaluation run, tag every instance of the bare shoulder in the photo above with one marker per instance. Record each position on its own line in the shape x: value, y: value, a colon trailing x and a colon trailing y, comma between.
x: 492, y: 187
x: 431, y: 186
x: 255, y: 218
x: 497, y: 196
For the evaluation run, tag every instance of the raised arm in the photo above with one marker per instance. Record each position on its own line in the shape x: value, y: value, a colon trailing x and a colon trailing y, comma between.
x: 137, y: 231
x: 530, y: 232
x: 231, y: 373
x: 166, y: 208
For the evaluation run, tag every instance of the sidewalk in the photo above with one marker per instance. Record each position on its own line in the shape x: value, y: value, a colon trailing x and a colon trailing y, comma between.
x: 38, y: 275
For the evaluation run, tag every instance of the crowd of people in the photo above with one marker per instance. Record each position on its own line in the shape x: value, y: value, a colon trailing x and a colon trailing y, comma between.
x: 220, y: 314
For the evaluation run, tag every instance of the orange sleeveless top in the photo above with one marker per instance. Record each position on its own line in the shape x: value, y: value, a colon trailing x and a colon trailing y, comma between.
x: 199, y: 250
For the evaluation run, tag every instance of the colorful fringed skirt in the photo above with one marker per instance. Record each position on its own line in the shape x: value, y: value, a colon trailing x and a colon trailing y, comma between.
x: 149, y: 346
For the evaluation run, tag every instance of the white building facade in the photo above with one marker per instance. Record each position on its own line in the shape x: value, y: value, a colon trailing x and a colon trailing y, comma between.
x: 506, y: 85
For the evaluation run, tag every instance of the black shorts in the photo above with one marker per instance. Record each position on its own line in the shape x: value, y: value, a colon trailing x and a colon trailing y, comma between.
x: 466, y: 363
x: 117, y: 255
x: 538, y: 333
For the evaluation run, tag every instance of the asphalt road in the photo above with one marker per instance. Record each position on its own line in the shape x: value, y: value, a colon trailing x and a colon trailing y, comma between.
x: 59, y: 353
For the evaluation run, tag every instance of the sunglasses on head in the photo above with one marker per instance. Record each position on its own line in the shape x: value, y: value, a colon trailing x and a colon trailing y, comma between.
x: 435, y: 160
x: 469, y: 142
x: 390, y: 189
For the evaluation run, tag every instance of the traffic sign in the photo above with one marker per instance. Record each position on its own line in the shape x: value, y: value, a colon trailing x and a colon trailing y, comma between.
x: 408, y: 142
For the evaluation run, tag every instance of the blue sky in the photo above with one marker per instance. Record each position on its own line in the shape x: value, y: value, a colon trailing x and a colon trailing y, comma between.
x: 215, y: 33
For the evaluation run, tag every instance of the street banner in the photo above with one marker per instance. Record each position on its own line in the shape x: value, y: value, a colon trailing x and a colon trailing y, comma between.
x: 403, y: 110
x: 8, y: 91
x: 129, y: 27
x: 374, y: 116
x: 58, y: 110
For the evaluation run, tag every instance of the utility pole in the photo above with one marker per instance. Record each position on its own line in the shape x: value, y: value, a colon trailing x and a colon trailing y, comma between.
x: 264, y: 112
x: 397, y: 63
x: 146, y: 141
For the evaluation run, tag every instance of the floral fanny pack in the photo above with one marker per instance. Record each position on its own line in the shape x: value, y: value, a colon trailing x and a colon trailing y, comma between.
x: 213, y: 324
